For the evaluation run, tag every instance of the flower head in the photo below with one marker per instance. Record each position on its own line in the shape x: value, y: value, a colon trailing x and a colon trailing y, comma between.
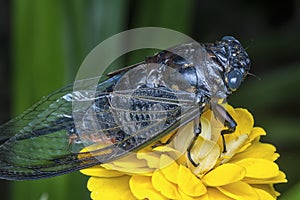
x: 245, y: 171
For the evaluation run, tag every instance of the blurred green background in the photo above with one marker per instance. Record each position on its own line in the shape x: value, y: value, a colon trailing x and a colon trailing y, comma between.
x: 43, y: 42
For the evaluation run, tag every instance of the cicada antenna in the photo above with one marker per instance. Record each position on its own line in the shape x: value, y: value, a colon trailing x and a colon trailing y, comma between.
x: 249, y: 73
x: 253, y: 75
x: 251, y: 43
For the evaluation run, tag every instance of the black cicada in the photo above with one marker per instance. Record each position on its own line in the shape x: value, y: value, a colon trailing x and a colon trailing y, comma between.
x: 129, y: 109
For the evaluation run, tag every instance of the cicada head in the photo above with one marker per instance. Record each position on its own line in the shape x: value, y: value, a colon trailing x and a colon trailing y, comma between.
x: 233, y: 60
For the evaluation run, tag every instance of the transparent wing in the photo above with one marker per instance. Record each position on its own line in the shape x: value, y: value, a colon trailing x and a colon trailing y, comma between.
x: 46, y: 140
x: 33, y: 140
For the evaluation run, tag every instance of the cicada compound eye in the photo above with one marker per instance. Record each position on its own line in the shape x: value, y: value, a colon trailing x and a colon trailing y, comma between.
x: 234, y: 79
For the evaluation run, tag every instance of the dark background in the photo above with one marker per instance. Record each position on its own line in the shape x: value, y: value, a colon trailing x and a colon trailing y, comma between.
x: 42, y: 44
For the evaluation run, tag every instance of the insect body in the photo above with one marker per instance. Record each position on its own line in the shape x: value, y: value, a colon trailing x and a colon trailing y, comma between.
x: 129, y: 109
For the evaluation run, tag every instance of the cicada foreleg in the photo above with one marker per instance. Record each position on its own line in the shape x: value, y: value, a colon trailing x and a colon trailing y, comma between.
x: 223, y: 116
x: 197, y: 132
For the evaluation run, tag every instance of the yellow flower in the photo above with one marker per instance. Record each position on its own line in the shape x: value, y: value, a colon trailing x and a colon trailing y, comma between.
x: 245, y: 171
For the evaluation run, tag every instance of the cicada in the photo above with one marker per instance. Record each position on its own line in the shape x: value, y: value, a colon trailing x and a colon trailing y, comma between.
x: 129, y: 109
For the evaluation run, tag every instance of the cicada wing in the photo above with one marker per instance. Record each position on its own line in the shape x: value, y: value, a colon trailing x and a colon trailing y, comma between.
x: 33, y: 144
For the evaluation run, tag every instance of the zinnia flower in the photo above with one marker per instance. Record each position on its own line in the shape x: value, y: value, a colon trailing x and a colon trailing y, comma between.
x: 245, y: 171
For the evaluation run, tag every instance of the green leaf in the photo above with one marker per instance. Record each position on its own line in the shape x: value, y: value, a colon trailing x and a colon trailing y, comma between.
x: 292, y: 194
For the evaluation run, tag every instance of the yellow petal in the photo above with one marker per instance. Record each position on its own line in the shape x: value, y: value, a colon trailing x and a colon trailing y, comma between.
x: 170, y: 171
x: 244, y: 121
x: 129, y: 165
x: 257, y: 150
x: 166, y: 138
x: 206, y: 153
x: 281, y: 178
x: 152, y: 158
x: 189, y: 183
x: 110, y: 188
x: 239, y: 190
x: 202, y: 148
x: 130, y: 161
x: 265, y: 191
x: 259, y: 168
x: 256, y: 132
x: 184, y: 137
x: 184, y: 196
x: 206, y: 131
x: 171, y: 152
x: 214, y: 194
x: 141, y: 187
x: 210, y: 127
x: 161, y: 184
x: 264, y: 195
x: 233, y: 146
x: 100, y: 172
x: 224, y: 174
x: 146, y: 171
x: 164, y: 149
x: 244, y: 147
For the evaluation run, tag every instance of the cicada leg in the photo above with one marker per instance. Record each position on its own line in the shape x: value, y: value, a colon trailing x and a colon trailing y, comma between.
x: 197, y: 132
x: 222, y: 115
